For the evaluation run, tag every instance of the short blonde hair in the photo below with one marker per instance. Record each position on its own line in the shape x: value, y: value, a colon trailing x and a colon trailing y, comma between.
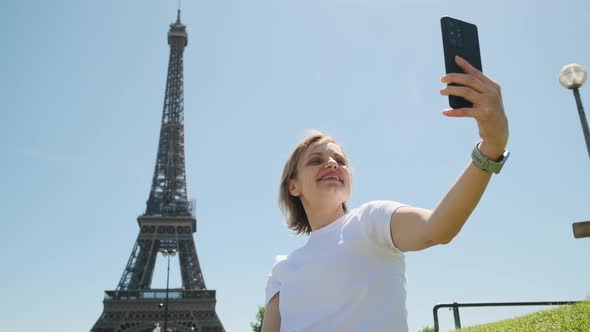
x: 289, y: 204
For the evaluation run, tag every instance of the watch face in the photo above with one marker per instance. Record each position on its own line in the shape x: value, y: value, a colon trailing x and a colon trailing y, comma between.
x: 496, y: 166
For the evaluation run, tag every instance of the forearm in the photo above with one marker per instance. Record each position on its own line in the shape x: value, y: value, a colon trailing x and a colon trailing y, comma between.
x: 456, y: 206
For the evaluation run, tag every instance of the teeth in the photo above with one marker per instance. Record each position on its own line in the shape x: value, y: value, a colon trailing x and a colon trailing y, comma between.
x: 330, y: 177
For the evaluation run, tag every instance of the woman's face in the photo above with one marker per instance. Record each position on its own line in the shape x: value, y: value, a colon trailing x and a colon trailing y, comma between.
x: 322, y: 176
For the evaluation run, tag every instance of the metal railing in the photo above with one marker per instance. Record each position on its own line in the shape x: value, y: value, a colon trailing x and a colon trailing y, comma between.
x: 455, y: 306
x: 159, y: 294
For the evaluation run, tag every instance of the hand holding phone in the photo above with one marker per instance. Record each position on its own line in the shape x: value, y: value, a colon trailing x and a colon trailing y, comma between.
x: 459, y: 38
x: 465, y: 78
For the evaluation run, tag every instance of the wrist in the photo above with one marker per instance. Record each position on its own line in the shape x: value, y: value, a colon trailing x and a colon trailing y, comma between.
x: 490, y: 151
x: 487, y: 163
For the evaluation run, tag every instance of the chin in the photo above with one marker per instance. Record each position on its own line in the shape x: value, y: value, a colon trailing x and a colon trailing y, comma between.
x: 334, y: 193
x: 338, y: 197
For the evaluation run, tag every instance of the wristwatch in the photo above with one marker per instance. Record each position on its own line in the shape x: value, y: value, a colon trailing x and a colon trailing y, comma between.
x: 486, y: 164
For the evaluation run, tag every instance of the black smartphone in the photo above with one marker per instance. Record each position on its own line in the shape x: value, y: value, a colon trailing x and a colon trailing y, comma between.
x: 459, y: 38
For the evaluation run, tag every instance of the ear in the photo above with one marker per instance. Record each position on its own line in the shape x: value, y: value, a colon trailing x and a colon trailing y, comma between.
x: 294, y: 188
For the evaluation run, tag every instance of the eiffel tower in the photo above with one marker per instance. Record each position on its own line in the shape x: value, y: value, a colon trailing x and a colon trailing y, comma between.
x: 167, y: 226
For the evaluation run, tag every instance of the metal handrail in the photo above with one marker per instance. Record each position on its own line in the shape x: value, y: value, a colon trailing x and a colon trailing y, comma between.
x: 157, y: 294
x: 455, y: 306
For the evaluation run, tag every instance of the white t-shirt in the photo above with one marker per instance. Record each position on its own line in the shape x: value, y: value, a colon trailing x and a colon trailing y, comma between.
x: 348, y: 277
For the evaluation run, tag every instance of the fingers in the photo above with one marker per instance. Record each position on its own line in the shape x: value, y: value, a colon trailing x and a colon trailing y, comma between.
x: 459, y: 112
x: 474, y: 86
x: 466, y: 80
x: 462, y: 91
x: 472, y: 78
x: 469, y: 69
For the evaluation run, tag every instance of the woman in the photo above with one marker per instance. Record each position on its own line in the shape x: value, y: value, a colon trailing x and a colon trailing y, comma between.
x: 350, y: 275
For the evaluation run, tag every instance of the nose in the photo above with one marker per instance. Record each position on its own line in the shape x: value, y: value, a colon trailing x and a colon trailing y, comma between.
x: 331, y: 163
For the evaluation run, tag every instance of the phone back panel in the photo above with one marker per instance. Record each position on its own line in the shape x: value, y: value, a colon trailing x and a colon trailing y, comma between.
x: 459, y: 38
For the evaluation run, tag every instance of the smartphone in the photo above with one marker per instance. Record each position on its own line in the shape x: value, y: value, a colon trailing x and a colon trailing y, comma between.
x: 459, y: 38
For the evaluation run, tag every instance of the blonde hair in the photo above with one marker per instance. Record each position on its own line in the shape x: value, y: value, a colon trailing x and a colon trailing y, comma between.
x: 289, y: 204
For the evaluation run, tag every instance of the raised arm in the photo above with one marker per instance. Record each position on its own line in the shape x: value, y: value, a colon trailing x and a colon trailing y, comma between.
x: 272, y: 318
x: 415, y: 229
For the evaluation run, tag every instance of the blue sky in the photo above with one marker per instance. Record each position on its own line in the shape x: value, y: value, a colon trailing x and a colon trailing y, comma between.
x: 82, y: 86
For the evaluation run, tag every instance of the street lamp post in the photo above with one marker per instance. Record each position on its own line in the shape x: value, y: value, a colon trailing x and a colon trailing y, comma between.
x: 167, y: 248
x: 572, y: 77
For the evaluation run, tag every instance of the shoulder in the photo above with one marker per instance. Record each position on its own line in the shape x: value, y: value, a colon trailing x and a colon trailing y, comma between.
x: 283, y: 263
x: 379, y: 207
x: 278, y: 264
x: 379, y: 211
x: 374, y: 221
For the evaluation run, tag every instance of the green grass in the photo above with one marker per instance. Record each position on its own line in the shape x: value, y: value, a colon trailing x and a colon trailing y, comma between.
x: 574, y: 318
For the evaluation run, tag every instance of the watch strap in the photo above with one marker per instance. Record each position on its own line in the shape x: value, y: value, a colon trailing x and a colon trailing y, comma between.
x: 486, y: 164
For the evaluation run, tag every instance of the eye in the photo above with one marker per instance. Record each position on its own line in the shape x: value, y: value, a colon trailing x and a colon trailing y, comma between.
x: 341, y: 161
x: 314, y: 161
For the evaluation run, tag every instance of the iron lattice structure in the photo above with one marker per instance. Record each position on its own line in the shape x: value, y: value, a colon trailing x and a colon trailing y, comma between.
x: 134, y: 306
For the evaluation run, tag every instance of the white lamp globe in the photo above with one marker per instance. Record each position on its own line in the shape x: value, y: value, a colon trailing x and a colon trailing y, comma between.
x: 572, y: 76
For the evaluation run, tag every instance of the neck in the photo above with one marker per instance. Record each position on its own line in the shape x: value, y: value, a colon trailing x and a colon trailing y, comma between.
x: 322, y: 215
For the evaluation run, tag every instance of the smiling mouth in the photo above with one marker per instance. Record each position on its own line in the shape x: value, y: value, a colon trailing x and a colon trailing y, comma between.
x: 330, y: 178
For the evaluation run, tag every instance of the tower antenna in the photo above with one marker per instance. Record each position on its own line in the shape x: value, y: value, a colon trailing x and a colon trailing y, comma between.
x: 178, y: 16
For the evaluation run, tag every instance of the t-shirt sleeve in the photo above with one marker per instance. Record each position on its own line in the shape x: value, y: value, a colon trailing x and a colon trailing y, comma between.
x: 378, y: 216
x: 274, y: 283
